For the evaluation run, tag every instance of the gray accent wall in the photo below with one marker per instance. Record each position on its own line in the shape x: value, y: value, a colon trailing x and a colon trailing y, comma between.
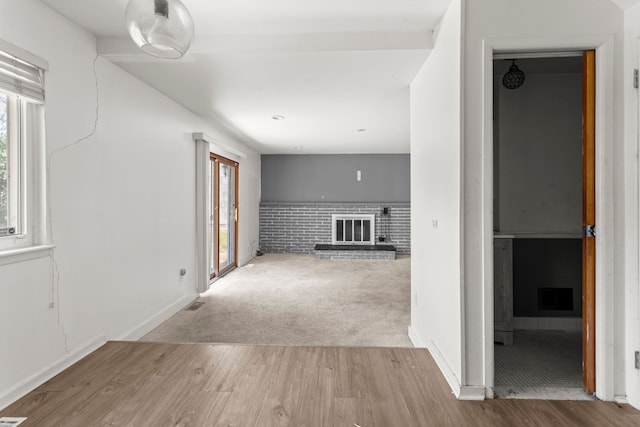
x: 333, y: 178
x: 538, y: 188
x: 538, y: 156
x: 300, y: 192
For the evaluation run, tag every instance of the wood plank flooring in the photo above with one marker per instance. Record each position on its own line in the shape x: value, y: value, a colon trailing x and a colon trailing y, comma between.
x: 160, y: 384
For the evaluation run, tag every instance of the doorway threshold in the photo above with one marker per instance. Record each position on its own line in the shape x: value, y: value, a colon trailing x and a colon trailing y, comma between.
x: 542, y: 393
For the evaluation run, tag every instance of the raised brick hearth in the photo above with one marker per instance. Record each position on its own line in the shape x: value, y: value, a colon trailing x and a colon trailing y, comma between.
x: 384, y: 252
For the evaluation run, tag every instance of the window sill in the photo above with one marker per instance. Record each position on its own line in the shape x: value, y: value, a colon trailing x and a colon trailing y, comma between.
x: 12, y: 256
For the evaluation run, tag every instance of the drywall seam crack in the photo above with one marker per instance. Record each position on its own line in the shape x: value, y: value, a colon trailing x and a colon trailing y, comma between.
x: 55, y: 271
x: 95, y: 121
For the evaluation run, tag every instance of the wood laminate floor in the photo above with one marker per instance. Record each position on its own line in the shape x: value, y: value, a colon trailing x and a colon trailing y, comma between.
x: 162, y: 384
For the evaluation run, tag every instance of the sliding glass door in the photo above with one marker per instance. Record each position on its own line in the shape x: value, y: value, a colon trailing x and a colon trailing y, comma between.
x: 223, y: 215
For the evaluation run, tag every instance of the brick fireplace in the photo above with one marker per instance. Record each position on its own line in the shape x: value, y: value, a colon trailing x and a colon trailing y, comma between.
x: 296, y: 227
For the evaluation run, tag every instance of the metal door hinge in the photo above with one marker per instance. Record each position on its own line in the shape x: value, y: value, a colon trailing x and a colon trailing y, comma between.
x: 637, y: 359
x: 589, y: 230
x: 636, y: 78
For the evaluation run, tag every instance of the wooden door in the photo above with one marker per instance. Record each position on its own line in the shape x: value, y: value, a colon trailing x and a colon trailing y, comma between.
x: 224, y: 215
x: 588, y: 222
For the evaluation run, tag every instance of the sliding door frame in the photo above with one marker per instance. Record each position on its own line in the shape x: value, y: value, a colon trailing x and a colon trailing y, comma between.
x: 215, y: 161
x: 205, y: 145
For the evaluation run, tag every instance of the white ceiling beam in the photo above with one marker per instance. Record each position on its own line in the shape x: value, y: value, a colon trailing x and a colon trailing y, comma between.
x: 122, y: 48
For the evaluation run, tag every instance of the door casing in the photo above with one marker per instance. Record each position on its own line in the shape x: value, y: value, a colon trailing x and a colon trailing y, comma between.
x: 588, y: 214
x: 604, y: 137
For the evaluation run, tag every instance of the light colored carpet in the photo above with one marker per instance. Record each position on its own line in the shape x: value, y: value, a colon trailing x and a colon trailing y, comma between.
x: 289, y: 299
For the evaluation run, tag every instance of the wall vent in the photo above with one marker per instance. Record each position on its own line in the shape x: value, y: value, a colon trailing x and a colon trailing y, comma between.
x: 193, y: 307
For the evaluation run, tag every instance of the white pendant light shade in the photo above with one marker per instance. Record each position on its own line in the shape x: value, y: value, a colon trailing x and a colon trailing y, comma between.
x: 161, y: 28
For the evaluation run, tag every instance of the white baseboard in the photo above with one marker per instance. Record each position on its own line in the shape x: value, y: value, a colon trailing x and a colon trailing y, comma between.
x: 446, y: 370
x: 415, y: 339
x: 69, y: 359
x: 154, y: 321
x: 471, y: 392
x: 621, y: 398
x: 462, y: 392
x: 244, y: 261
x: 49, y: 372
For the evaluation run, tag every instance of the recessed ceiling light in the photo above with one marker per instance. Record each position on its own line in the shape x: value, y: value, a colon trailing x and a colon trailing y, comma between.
x: 298, y: 147
x: 278, y: 117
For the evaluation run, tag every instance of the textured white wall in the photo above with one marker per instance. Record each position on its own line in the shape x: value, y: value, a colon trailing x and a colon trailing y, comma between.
x: 122, y: 207
x: 435, y: 199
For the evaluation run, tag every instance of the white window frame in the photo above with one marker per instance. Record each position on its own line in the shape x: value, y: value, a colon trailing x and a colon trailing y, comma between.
x: 15, y: 167
x: 27, y: 154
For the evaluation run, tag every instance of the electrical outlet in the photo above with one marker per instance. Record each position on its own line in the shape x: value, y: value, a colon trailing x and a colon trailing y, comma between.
x: 637, y: 359
x: 183, y: 271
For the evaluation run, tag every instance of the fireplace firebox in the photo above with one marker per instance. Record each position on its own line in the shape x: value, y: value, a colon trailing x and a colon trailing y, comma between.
x: 353, y: 229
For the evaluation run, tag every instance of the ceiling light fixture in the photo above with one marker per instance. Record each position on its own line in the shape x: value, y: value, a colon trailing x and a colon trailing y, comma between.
x: 278, y: 117
x: 514, y: 78
x: 361, y: 130
x: 161, y: 28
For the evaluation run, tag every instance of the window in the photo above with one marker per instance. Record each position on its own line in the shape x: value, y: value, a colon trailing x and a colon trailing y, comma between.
x: 22, y: 155
x: 11, y: 154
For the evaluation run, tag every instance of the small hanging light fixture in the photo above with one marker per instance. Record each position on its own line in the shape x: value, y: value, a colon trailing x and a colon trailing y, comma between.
x: 514, y: 78
x: 161, y: 28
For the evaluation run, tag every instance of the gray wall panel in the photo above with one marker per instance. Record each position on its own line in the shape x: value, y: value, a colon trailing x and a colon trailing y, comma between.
x: 539, y: 156
x: 332, y: 178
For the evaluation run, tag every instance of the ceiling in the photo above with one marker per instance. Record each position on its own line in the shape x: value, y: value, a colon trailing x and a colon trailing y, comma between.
x: 337, y: 70
x: 625, y: 4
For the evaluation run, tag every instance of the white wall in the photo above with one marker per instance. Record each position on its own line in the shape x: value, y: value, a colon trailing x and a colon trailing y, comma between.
x: 122, y: 205
x: 530, y: 25
x: 435, y: 200
x: 632, y: 121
